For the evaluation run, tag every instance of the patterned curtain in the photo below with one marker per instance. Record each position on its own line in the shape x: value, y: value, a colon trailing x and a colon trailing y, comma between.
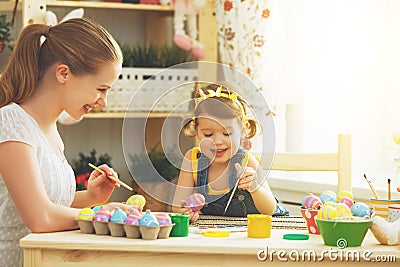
x: 249, y: 35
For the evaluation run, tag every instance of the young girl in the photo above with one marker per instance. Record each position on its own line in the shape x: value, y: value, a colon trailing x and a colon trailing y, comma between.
x: 220, y: 122
x: 69, y: 66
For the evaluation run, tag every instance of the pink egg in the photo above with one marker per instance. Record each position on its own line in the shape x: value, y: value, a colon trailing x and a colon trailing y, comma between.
x: 348, y: 201
x: 135, y: 212
x: 163, y: 219
x: 312, y: 202
x: 195, y: 201
x: 103, y: 215
x: 344, y: 193
x: 133, y: 219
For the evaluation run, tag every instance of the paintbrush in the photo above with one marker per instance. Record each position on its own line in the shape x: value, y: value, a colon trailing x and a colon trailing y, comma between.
x: 236, y: 185
x: 112, y: 177
x: 372, y: 188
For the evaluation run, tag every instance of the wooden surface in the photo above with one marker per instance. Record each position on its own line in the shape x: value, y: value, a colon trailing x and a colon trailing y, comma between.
x: 73, y: 248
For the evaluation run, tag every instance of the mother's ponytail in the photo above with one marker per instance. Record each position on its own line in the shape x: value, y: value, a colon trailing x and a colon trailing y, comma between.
x: 22, y: 71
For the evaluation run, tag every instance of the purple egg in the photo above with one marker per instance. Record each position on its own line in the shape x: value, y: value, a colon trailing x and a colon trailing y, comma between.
x: 195, y: 201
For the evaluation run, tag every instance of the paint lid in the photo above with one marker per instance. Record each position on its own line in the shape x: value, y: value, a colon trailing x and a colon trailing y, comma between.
x: 296, y: 236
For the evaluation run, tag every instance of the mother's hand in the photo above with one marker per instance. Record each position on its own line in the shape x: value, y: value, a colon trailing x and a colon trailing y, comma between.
x: 100, y: 187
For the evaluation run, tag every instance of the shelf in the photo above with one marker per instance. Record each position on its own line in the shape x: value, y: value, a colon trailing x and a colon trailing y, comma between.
x: 109, y: 5
x: 143, y: 115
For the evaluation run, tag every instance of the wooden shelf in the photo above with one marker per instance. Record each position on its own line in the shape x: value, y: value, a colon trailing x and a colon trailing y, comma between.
x: 122, y: 115
x: 109, y: 5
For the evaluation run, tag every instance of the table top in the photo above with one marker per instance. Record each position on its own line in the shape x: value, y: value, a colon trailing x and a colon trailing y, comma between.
x: 236, y: 243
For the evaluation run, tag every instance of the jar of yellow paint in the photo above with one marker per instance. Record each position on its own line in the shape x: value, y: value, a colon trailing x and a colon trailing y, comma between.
x: 258, y: 225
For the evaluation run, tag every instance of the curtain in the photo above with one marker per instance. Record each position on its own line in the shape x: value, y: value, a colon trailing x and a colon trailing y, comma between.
x: 251, y: 41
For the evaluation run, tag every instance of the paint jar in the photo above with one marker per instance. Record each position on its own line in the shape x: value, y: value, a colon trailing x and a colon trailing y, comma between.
x: 394, y: 212
x: 181, y: 227
x: 381, y: 206
x: 259, y: 225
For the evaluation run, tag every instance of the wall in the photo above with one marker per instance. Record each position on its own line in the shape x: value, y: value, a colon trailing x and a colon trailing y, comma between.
x: 343, y: 60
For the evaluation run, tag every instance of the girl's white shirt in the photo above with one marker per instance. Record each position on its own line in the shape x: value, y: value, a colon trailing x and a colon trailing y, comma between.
x: 58, y: 179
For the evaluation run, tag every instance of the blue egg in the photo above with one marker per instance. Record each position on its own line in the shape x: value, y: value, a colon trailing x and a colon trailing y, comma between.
x: 360, y: 209
x: 149, y: 219
x: 119, y: 216
x: 96, y: 208
x: 328, y: 196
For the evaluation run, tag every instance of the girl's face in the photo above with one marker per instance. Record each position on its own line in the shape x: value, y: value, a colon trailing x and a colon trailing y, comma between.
x: 86, y: 91
x: 219, y: 138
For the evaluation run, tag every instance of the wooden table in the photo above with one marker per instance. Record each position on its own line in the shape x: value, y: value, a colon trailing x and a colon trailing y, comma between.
x: 72, y: 248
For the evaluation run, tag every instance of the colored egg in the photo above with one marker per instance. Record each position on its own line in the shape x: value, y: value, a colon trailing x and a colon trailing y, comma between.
x: 311, y: 202
x: 344, y: 193
x: 103, y: 215
x: 327, y: 213
x: 133, y: 219
x: 148, y: 219
x: 343, y: 210
x: 135, y: 212
x: 328, y: 195
x: 195, y: 201
x: 330, y: 203
x: 118, y: 216
x: 86, y: 214
x: 360, y: 209
x: 163, y: 219
x: 96, y: 208
x: 348, y: 201
x: 138, y: 200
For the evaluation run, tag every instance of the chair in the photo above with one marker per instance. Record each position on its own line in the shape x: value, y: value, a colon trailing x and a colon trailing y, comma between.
x: 339, y: 162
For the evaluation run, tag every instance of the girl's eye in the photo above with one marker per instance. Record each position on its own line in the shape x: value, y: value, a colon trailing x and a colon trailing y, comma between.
x: 227, y: 134
x: 207, y: 135
x: 101, y: 90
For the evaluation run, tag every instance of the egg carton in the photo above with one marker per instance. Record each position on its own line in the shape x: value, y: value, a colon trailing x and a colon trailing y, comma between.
x: 125, y: 230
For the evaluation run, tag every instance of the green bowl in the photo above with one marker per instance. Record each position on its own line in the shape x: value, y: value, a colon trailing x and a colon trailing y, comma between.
x: 343, y: 234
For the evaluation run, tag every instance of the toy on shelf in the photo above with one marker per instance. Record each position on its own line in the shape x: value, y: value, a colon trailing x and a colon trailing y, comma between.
x: 186, y: 11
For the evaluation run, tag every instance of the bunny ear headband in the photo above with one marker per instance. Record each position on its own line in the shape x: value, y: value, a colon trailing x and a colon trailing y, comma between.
x: 218, y: 93
x: 51, y: 17
x: 51, y: 20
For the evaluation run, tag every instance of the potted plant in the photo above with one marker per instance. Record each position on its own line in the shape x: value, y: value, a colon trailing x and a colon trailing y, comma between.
x: 151, y: 172
x: 5, y: 27
x: 145, y: 166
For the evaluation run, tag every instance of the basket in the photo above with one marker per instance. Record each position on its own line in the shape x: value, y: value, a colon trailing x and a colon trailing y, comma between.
x: 343, y: 234
x: 152, y: 89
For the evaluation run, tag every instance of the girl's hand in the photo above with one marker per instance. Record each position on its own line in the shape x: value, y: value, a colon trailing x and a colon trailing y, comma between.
x: 100, y: 187
x: 194, y: 215
x: 247, y: 177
